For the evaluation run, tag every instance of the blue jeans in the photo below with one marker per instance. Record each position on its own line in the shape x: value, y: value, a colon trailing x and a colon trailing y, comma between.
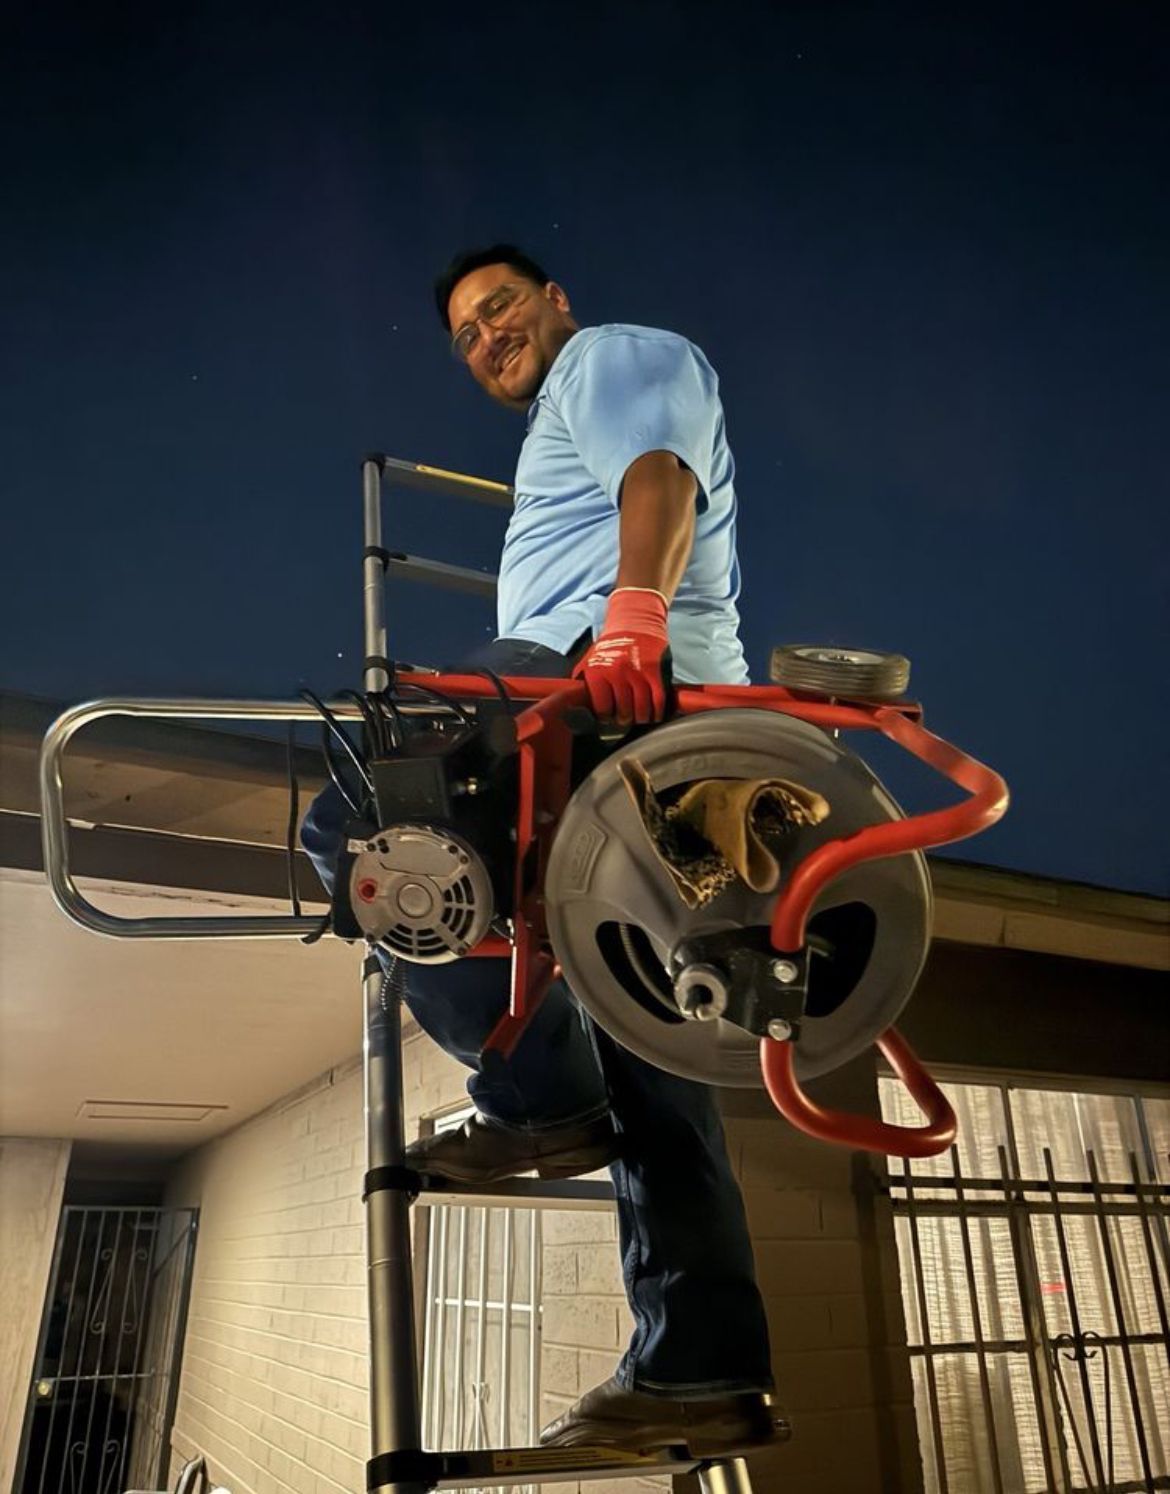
x: 699, y: 1320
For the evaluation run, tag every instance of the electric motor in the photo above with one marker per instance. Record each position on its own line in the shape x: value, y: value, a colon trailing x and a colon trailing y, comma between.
x: 421, y: 892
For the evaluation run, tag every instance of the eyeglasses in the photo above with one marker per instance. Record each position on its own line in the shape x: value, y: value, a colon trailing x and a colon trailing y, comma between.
x: 492, y: 311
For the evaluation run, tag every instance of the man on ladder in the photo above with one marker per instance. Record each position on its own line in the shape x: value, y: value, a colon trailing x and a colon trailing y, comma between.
x: 619, y: 564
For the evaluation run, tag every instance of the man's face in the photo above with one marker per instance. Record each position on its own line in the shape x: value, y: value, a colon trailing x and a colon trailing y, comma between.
x: 510, y: 356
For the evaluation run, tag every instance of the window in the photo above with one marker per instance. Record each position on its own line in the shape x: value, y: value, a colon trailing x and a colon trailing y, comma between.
x: 1036, y: 1285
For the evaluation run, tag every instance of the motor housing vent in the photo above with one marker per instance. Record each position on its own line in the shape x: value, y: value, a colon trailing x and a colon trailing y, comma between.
x: 422, y: 893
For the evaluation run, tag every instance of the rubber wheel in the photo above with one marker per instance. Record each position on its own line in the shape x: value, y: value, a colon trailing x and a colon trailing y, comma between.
x: 854, y: 673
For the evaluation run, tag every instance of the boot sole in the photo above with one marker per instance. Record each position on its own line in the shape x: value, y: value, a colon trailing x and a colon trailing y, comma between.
x: 647, y: 1440
x: 547, y: 1169
x: 551, y: 1170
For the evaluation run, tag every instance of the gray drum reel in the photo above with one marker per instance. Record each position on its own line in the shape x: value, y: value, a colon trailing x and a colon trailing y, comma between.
x: 614, y: 916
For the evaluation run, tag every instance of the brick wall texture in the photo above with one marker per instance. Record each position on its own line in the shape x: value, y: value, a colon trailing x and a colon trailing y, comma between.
x: 32, y: 1181
x: 274, y: 1378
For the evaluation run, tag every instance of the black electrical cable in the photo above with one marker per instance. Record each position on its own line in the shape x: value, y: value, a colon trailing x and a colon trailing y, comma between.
x: 294, y: 804
x: 445, y: 700
x: 330, y: 731
x: 393, y: 718
x: 322, y: 928
x: 335, y: 777
x: 383, y: 719
x: 294, y: 797
x: 490, y: 674
x: 372, y: 717
x: 332, y: 726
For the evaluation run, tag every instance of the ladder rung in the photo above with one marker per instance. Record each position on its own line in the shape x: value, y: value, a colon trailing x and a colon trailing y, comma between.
x: 438, y: 480
x: 530, y: 1465
x: 520, y: 1193
x: 439, y: 573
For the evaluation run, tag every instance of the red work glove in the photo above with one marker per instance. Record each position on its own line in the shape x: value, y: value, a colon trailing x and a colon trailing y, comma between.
x: 627, y: 670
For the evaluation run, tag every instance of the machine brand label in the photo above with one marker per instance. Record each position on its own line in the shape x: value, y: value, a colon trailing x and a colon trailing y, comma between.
x: 698, y: 765
x: 582, y: 854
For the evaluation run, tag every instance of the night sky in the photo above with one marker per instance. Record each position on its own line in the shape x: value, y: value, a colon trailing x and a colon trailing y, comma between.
x: 924, y: 246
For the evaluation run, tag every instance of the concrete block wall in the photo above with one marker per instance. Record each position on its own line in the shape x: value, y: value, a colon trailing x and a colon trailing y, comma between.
x: 827, y: 1265
x: 273, y: 1384
x: 32, y: 1182
x: 587, y: 1323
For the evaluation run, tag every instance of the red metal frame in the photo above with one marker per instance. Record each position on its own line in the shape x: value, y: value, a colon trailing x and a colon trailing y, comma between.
x: 544, y: 745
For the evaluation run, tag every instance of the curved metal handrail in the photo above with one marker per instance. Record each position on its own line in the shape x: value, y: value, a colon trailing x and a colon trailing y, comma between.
x: 986, y: 803
x: 55, y: 825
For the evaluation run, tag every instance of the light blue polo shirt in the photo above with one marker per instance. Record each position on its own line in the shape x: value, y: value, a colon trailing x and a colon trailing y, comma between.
x: 612, y: 394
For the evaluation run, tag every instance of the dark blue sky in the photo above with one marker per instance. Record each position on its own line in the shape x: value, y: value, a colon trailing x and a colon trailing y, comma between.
x: 924, y: 246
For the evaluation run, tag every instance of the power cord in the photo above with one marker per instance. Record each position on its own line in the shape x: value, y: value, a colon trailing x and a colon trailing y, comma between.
x: 331, y: 731
x: 294, y: 804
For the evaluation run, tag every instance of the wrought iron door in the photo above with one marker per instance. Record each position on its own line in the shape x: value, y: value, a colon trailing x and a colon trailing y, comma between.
x: 103, y: 1393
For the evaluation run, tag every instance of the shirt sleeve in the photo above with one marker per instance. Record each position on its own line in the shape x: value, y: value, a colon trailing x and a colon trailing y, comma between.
x: 629, y: 395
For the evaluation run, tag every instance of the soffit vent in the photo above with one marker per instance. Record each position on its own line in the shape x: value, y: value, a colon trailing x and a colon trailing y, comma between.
x: 188, y: 1113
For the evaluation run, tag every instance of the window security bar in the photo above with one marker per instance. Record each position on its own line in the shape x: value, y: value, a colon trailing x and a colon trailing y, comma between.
x: 1043, y: 1433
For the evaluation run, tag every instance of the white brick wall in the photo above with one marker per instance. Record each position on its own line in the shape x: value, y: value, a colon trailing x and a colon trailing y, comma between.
x: 273, y: 1388
x: 32, y: 1179
x: 827, y: 1267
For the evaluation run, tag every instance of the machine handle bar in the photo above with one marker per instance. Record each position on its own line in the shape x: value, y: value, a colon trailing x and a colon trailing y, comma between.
x: 987, y: 803
x: 778, y: 1062
x: 988, y: 792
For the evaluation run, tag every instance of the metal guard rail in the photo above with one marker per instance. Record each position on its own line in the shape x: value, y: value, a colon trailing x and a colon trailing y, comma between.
x: 55, y: 828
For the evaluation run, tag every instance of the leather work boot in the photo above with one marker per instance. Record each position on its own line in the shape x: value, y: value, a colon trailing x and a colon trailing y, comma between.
x: 716, y: 1426
x: 482, y: 1151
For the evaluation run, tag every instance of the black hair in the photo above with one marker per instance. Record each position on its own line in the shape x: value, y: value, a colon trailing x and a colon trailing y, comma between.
x: 475, y: 259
